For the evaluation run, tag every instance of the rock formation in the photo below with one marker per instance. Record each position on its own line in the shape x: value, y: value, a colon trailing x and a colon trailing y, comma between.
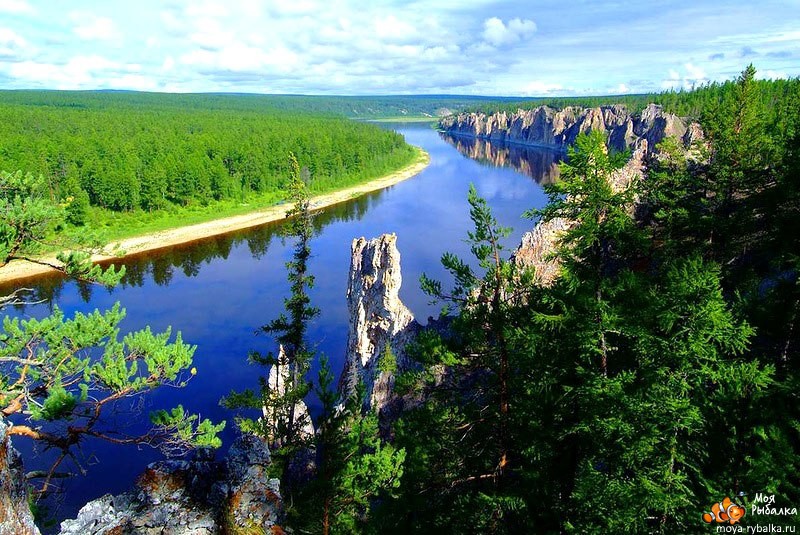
x: 545, y: 126
x: 378, y: 320
x: 195, y: 497
x: 15, y: 514
x: 277, y: 380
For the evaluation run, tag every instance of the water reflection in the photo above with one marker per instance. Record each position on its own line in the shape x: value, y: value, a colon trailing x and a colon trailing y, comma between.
x: 218, y: 291
x: 539, y: 163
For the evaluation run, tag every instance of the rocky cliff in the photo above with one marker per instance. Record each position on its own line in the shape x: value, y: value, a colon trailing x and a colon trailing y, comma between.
x: 278, y: 380
x: 380, y: 324
x: 196, y: 497
x: 15, y: 514
x: 545, y: 126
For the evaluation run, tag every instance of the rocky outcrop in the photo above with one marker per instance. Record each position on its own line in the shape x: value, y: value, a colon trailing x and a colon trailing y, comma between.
x: 277, y: 380
x: 380, y: 323
x: 545, y: 126
x: 196, y: 497
x: 15, y: 514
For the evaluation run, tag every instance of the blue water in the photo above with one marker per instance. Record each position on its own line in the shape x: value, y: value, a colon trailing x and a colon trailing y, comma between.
x: 217, y: 292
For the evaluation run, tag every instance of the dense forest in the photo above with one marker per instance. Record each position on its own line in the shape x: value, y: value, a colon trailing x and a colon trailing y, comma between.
x: 655, y: 376
x: 126, y: 152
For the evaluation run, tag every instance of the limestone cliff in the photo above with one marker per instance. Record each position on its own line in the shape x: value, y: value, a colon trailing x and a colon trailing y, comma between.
x: 15, y: 514
x: 545, y: 126
x: 378, y: 320
x: 277, y: 381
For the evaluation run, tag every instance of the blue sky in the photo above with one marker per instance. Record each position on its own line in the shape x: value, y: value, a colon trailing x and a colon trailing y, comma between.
x: 525, y: 48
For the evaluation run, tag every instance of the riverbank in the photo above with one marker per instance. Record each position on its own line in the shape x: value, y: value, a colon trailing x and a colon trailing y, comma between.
x: 21, y: 269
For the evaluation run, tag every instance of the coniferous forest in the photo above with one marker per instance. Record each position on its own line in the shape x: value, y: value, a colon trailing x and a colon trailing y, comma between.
x: 656, y: 374
x: 125, y: 152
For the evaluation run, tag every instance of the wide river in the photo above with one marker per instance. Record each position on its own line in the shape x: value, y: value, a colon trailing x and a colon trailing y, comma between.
x: 218, y: 291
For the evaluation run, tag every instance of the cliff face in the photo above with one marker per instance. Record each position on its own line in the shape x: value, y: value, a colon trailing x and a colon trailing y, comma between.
x: 379, y: 321
x: 278, y: 380
x: 15, y: 514
x: 202, y: 496
x: 559, y: 128
x: 545, y: 126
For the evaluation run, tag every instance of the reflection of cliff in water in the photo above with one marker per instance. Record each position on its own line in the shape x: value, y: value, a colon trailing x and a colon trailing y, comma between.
x: 539, y: 163
x: 189, y: 258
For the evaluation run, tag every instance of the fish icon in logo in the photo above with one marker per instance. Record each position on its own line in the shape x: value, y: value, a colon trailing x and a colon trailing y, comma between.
x: 724, y: 511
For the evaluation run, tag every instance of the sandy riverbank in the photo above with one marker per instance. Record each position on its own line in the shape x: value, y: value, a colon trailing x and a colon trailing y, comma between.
x: 20, y: 269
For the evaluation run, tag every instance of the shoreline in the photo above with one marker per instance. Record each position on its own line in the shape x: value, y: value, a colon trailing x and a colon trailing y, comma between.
x: 22, y: 269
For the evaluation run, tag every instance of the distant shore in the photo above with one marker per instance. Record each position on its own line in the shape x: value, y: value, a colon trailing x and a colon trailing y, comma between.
x: 21, y: 269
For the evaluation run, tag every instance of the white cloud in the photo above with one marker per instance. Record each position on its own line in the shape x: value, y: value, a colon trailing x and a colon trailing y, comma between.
x: 541, y: 88
x: 772, y: 75
x: 93, y: 28
x: 498, y: 34
x: 16, y: 6
x: 622, y: 88
x: 136, y: 82
x: 392, y: 29
x: 78, y: 73
x: 11, y: 43
x: 693, y: 77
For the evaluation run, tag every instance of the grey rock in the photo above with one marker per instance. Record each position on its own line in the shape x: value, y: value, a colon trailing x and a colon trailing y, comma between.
x: 15, y: 514
x: 545, y: 126
x: 196, y: 497
x: 378, y: 319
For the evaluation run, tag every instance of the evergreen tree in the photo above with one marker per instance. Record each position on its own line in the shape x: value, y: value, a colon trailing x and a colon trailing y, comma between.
x: 52, y: 388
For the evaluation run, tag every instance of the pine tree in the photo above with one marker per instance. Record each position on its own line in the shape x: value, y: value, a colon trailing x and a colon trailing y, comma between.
x: 51, y: 389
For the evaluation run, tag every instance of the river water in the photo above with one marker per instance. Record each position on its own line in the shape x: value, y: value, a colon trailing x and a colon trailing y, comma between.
x: 218, y: 291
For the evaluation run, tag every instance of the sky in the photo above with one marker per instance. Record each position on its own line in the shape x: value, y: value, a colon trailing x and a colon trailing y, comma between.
x: 468, y: 47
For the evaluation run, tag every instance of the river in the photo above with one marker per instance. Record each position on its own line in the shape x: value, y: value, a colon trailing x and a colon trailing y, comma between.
x: 218, y: 291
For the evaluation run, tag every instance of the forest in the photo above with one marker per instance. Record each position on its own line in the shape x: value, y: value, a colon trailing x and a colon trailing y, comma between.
x: 656, y: 375
x: 106, y: 153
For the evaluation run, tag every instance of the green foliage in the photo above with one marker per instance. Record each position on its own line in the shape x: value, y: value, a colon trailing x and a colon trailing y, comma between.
x: 129, y: 152
x: 57, y: 405
x: 47, y: 372
x: 656, y: 375
x: 187, y: 429
x: 355, y: 467
x: 388, y: 360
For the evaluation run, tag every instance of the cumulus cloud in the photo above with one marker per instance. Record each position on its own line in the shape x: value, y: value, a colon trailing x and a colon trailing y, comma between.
x: 499, y: 34
x: 772, y: 75
x: 11, y: 43
x: 16, y: 7
x: 93, y: 28
x: 693, y: 76
x: 78, y: 72
x: 345, y: 46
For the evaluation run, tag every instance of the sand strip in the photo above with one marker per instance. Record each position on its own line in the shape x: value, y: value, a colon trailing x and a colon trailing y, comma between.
x: 21, y: 269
